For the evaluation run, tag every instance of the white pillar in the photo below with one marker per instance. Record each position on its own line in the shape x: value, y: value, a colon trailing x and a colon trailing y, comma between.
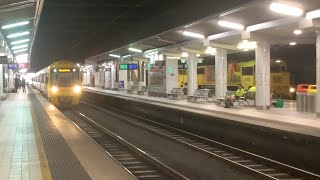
x: 263, y: 76
x: 1, y: 82
x: 171, y: 74
x: 318, y: 75
x: 221, y: 69
x: 192, y: 74
x: 113, y: 76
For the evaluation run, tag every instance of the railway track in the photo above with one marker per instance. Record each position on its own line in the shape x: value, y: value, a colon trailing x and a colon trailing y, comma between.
x: 252, y: 163
x: 137, y: 162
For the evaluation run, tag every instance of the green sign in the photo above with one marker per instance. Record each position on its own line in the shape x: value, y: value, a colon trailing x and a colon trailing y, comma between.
x: 123, y: 66
x: 169, y: 69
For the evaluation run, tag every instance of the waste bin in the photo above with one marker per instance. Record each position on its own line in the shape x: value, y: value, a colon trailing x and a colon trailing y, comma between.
x: 311, y: 98
x: 279, y: 103
x: 301, y: 93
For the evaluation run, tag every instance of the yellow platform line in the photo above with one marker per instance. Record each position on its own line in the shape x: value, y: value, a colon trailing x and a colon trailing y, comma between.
x: 44, y: 165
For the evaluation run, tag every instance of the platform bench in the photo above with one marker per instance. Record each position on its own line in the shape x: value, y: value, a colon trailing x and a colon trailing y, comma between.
x: 132, y: 89
x: 143, y: 90
x: 202, y: 94
x: 176, y: 93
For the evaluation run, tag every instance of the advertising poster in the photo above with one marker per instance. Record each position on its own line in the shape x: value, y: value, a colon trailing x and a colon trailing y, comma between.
x: 156, y: 76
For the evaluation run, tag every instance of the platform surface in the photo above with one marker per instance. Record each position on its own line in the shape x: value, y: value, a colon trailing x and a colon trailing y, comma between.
x: 39, y: 142
x: 286, y: 118
x: 18, y: 148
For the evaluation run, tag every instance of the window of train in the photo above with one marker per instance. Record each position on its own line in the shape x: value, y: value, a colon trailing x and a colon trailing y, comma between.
x: 247, y: 71
x: 64, y: 77
x: 200, y: 71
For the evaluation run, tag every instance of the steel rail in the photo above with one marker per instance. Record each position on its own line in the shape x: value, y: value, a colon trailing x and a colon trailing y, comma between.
x: 125, y: 158
x: 259, y: 165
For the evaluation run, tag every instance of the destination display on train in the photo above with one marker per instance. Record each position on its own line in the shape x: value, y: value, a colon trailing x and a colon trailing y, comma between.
x: 64, y: 70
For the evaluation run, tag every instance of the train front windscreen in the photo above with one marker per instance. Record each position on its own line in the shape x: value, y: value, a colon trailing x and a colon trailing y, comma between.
x: 65, y: 77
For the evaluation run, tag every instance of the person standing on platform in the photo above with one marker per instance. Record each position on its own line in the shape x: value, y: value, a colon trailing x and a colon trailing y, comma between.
x: 16, y: 84
x: 23, y: 85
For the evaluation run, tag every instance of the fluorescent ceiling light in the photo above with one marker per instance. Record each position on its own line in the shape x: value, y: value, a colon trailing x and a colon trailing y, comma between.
x: 126, y: 56
x: 192, y: 34
x: 231, y: 25
x: 247, y: 45
x: 292, y: 43
x: 170, y: 57
x: 21, y: 50
x: 313, y: 14
x: 20, y: 41
x: 3, y: 54
x: 18, y: 34
x: 211, y: 50
x: 185, y: 54
x: 15, y: 25
x: 285, y: 9
x: 135, y: 50
x: 297, y: 32
x: 19, y: 47
x: 198, y: 55
x: 115, y: 55
x: 278, y: 61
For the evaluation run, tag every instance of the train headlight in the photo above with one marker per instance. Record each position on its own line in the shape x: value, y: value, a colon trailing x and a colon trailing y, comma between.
x: 292, y: 90
x: 77, y: 89
x: 54, y: 89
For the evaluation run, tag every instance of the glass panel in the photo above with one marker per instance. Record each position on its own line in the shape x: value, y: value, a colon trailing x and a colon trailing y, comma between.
x: 64, y: 79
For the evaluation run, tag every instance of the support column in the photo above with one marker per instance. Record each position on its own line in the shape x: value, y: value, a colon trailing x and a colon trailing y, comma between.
x: 192, y: 74
x: 263, y: 75
x: 113, y: 76
x: 221, y: 73
x: 171, y: 74
x: 317, y: 104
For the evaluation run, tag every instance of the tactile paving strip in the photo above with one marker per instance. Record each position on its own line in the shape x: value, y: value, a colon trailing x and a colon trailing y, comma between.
x: 64, y: 165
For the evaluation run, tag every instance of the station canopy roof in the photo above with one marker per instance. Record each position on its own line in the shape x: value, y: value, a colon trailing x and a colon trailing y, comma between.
x: 278, y: 22
x: 79, y: 29
x: 17, y: 25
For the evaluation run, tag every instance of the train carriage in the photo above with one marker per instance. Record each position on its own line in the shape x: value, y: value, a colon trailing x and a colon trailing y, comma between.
x: 60, y: 82
x: 281, y: 81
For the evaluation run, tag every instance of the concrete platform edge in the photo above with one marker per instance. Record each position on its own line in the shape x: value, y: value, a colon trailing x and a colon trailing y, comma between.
x: 271, y: 123
x: 96, y: 171
x: 45, y: 169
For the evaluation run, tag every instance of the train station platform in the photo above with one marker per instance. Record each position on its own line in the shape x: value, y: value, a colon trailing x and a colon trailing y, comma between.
x: 39, y: 142
x: 286, y: 119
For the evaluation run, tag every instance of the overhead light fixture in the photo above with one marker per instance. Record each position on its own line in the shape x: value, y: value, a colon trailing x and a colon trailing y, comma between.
x: 292, y: 43
x: 172, y: 57
x: 198, y: 55
x: 126, y: 56
x: 192, y: 34
x: 297, y: 32
x: 278, y: 61
x: 231, y: 25
x: 115, y: 55
x: 135, y: 50
x: 18, y: 34
x: 15, y: 25
x: 247, y: 45
x: 20, y: 41
x: 211, y: 50
x: 20, y: 50
x: 313, y: 14
x: 19, y: 47
x: 285, y: 9
x: 185, y: 54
